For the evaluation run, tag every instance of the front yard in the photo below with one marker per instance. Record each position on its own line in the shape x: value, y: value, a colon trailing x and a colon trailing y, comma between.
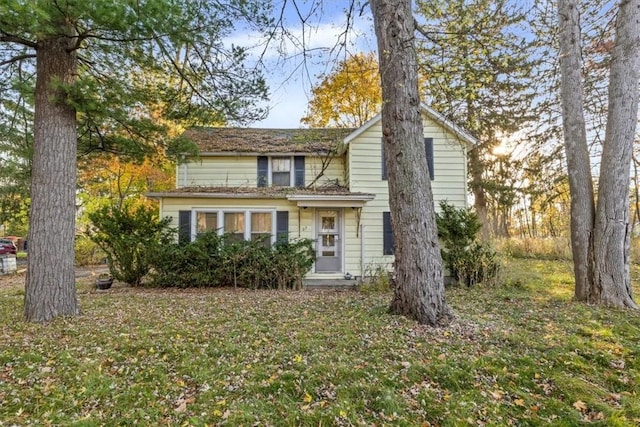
x: 520, y: 354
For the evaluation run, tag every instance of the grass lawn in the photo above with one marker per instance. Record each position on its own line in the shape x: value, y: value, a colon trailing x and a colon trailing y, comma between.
x: 519, y: 354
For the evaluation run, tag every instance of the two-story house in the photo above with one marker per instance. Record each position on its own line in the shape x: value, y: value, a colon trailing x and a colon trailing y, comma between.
x: 328, y: 185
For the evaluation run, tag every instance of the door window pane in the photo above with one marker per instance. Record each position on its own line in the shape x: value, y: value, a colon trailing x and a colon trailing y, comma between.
x: 206, y: 221
x: 328, y: 223
x: 329, y: 240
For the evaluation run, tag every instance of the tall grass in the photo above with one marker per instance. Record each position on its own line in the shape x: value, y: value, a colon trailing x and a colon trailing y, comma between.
x: 548, y: 248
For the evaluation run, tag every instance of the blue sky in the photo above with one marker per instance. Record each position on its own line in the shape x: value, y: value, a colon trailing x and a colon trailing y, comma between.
x: 290, y: 73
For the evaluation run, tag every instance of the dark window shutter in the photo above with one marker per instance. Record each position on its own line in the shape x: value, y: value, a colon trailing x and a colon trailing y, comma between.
x: 384, y: 164
x: 282, y: 226
x: 184, y: 227
x: 387, y: 234
x: 263, y: 171
x: 299, y: 171
x: 428, y: 148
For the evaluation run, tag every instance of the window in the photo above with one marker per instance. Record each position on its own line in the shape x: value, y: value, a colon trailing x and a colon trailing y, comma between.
x: 234, y: 225
x: 239, y: 224
x: 281, y: 171
x: 261, y: 224
x: 206, y: 221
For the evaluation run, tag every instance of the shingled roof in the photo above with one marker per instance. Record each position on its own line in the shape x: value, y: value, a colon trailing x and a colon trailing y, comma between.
x: 265, y: 141
x: 265, y: 192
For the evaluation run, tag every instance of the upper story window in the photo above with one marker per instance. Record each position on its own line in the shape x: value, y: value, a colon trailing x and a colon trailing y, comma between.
x: 281, y: 171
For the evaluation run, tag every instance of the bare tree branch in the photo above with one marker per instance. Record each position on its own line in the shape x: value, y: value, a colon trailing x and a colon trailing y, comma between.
x: 10, y: 38
x: 17, y: 58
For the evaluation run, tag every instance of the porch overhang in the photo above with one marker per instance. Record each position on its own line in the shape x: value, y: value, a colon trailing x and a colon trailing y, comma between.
x: 330, y: 200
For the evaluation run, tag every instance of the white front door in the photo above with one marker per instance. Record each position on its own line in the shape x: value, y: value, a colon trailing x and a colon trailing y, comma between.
x: 328, y: 241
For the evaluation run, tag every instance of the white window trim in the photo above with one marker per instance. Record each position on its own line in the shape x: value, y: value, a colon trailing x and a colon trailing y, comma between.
x: 292, y: 169
x: 220, y: 217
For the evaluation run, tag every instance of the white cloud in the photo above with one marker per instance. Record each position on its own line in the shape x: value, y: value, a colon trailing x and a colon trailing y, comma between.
x: 293, y: 61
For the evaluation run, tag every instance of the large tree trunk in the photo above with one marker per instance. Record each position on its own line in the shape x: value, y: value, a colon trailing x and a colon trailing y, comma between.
x: 575, y: 141
x: 419, y: 290
x: 612, y: 285
x: 50, y: 283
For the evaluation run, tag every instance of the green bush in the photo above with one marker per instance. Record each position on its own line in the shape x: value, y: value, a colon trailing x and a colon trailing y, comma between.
x: 212, y: 261
x: 469, y: 261
x: 129, y: 237
x: 196, y: 264
x: 88, y: 252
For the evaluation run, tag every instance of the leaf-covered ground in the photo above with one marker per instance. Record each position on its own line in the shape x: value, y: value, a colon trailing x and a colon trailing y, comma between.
x: 519, y: 354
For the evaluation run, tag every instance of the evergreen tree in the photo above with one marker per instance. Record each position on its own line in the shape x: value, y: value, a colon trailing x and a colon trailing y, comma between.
x: 90, y: 61
x: 476, y: 67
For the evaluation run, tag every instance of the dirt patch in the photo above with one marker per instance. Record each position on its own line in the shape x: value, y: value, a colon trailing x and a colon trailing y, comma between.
x: 83, y: 275
x: 13, y: 280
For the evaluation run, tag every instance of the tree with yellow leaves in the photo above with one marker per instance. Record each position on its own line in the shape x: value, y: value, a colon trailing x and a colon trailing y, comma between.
x: 348, y: 96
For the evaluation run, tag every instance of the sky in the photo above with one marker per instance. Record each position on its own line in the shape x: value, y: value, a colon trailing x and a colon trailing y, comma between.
x: 291, y: 73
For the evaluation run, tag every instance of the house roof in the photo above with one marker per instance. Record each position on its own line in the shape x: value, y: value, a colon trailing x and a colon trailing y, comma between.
x: 292, y: 193
x: 266, y: 141
x: 431, y: 113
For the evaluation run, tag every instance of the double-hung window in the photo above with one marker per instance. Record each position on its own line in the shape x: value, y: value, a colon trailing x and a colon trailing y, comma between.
x: 241, y: 224
x: 234, y: 225
x: 281, y: 171
x: 206, y: 221
x: 261, y: 226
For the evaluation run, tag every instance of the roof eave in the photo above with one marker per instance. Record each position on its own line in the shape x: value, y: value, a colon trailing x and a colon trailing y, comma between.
x: 261, y: 153
x: 203, y: 195
x: 450, y: 126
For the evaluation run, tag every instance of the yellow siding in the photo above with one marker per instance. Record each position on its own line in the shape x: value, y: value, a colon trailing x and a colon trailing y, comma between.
x: 365, y: 175
x: 232, y: 171
x: 360, y: 168
x: 334, y: 170
x: 241, y: 171
x: 171, y: 206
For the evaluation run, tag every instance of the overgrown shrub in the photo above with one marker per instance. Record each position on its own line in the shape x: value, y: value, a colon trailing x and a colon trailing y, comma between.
x: 213, y: 260
x: 469, y: 261
x: 88, y: 252
x: 375, y: 278
x: 129, y: 237
x: 192, y: 265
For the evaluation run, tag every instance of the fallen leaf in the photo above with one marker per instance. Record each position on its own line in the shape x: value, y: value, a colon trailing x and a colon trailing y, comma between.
x: 307, y: 397
x: 519, y: 402
x: 580, y: 406
x: 182, y: 406
x: 497, y: 394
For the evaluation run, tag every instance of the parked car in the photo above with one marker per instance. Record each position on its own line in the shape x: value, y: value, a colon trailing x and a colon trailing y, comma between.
x: 7, y: 247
